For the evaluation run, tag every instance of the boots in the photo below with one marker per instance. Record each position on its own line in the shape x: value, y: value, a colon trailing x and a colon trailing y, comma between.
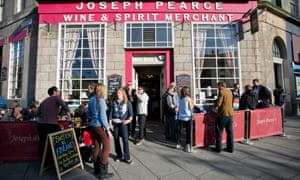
x: 104, y: 171
x: 97, y: 165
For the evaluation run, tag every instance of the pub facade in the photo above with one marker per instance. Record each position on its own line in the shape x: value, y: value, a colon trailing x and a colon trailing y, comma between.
x: 153, y: 43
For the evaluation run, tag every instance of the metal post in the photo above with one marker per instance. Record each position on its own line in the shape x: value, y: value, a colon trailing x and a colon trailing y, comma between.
x: 282, y: 119
x: 192, y: 130
x: 247, y: 127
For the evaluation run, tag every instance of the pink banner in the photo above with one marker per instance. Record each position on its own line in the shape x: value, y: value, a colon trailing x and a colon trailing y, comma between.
x: 205, y: 132
x: 199, y: 130
x: 2, y: 41
x: 19, y: 140
x: 265, y: 122
x: 16, y: 37
x: 124, y: 11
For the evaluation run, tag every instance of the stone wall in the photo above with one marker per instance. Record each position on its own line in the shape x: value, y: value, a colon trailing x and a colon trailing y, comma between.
x: 46, y: 60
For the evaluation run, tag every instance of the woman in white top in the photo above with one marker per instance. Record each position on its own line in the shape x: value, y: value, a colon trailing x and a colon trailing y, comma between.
x: 142, y: 111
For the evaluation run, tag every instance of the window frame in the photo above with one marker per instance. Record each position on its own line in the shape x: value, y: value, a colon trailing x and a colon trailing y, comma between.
x: 15, y: 80
x: 137, y: 28
x: 19, y: 6
x: 214, y: 63
x: 81, y: 59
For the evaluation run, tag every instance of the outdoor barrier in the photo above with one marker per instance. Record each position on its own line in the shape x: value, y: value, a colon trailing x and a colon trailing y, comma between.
x: 205, y: 133
x: 265, y: 122
x: 250, y: 124
x: 19, y: 140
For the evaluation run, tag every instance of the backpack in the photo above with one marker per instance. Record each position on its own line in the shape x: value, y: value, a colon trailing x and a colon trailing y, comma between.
x: 167, y: 110
x: 164, y: 101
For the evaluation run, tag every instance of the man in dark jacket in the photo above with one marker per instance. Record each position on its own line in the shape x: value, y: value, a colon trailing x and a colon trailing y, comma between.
x: 248, y: 99
x: 262, y: 93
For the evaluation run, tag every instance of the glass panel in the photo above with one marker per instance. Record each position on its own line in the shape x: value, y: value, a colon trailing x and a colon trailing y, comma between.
x: 137, y: 35
x: 206, y: 73
x: 216, y: 59
x: 161, y: 35
x: 81, y: 58
x: 155, y: 34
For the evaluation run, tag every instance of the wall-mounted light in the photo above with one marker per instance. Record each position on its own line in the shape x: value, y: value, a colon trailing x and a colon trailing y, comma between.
x: 112, y: 24
x: 46, y: 27
x: 161, y: 57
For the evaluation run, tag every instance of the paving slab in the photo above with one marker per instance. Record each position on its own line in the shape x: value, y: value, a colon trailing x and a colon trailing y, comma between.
x: 271, y: 158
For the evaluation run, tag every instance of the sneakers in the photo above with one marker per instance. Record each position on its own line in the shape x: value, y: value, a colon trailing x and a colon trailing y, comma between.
x: 140, y: 142
x: 117, y: 160
x: 129, y: 162
x: 178, y: 146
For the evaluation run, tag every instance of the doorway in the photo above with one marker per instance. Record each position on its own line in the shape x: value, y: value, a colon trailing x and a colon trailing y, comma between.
x: 149, y: 77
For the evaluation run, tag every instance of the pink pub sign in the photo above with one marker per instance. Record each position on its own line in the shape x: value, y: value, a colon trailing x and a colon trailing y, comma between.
x: 143, y: 11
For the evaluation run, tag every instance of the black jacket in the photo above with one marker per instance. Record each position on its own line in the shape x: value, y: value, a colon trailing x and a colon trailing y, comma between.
x: 248, y: 101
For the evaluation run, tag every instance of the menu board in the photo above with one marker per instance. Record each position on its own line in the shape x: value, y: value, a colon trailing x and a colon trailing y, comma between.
x: 65, y: 151
x: 114, y: 81
x: 183, y: 80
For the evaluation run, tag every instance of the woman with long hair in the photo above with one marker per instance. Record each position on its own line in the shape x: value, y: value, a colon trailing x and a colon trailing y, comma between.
x: 100, y: 131
x: 120, y: 116
x: 185, y: 112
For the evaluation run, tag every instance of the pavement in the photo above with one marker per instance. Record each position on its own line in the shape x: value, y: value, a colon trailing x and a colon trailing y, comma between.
x: 275, y: 157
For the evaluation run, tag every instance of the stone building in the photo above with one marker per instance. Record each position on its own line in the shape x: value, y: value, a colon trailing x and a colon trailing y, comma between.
x: 152, y: 43
x: 18, y: 50
x: 277, y: 49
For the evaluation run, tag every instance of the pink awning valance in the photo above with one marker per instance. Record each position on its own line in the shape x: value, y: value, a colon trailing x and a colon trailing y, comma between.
x: 16, y: 37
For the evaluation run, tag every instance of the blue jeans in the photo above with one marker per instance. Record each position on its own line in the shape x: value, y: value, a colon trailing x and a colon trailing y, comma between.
x: 221, y: 123
x: 121, y: 130
x: 170, y: 128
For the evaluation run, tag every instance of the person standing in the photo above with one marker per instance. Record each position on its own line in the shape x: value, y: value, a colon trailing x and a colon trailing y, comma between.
x: 262, y: 93
x: 170, y: 112
x: 248, y: 99
x: 91, y: 89
x: 130, y: 93
x: 185, y: 110
x: 224, y: 118
x: 236, y: 96
x: 279, y: 96
x: 133, y: 122
x: 48, y: 117
x: 100, y: 131
x: 142, y: 111
x: 119, y: 117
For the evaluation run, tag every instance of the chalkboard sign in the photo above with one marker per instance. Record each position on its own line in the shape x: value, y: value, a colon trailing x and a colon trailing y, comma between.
x: 183, y: 80
x: 65, y: 151
x: 114, y: 81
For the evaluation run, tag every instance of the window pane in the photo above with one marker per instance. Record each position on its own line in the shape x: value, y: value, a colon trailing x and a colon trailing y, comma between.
x: 136, y: 35
x: 161, y: 35
x: 81, y: 59
x: 16, y: 69
x: 215, y: 59
x: 155, y: 35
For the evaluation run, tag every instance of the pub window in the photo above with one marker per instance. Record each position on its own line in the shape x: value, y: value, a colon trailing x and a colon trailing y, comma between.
x: 19, y: 6
x: 276, y: 49
x: 149, y: 35
x: 293, y: 7
x: 1, y: 9
x: 81, y: 59
x: 16, y: 63
x: 276, y: 2
x: 215, y: 58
